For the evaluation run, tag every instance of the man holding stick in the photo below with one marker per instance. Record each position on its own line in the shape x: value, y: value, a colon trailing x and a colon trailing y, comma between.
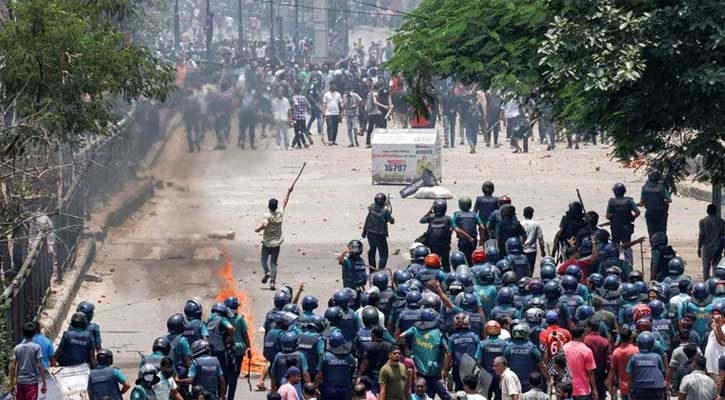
x: 272, y: 234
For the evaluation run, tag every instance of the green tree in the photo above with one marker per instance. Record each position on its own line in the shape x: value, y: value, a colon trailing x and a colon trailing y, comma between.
x: 67, y: 66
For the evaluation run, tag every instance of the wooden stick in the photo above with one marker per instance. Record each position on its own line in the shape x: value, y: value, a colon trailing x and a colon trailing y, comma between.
x: 299, y: 174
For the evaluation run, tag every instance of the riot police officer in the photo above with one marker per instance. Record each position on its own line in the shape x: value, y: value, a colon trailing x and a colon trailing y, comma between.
x: 312, y: 344
x: 468, y: 226
x: 220, y: 329
x: 354, y: 270
x: 364, y: 337
x: 205, y: 370
x: 438, y: 234
x: 281, y: 299
x: 160, y: 349
x: 622, y: 211
x: 646, y: 370
x: 524, y: 357
x: 76, y: 346
x: 289, y: 356
x: 148, y: 376
x: 180, y: 352
x: 572, y: 222
x: 486, y: 205
x: 349, y: 323
x: 380, y: 214
x: 381, y: 281
x: 88, y: 309
x: 104, y: 380
x: 336, y: 370
x: 309, y: 305
x: 656, y: 199
x: 490, y: 348
x: 195, y: 328
x: 519, y: 261
x: 241, y: 343
x: 460, y: 343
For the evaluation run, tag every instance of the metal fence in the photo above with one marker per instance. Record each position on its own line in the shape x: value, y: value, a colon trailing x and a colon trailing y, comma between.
x: 89, y: 175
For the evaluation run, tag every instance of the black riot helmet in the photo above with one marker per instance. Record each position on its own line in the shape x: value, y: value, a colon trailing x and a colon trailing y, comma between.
x: 439, y: 207
x: 487, y: 188
x: 370, y: 317
x: 78, y: 320
x: 162, y: 345
x: 104, y: 357
x: 619, y: 189
x: 175, y: 323
x: 420, y: 253
x: 200, y: 348
x: 654, y: 175
x: 575, y: 208
x: 355, y: 248
x: 380, y: 199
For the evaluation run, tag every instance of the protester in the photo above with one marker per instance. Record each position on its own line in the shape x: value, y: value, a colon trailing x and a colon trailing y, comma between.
x: 272, y: 238
x: 27, y: 368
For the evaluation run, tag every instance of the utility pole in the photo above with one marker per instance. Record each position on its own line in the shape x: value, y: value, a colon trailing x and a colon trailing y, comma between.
x: 271, y: 28
x: 177, y: 26
x: 297, y: 23
x: 240, y: 25
x: 320, y: 30
x: 717, y: 199
x: 209, y: 31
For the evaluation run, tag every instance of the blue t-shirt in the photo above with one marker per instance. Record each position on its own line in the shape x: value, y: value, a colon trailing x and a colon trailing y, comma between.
x: 46, y: 348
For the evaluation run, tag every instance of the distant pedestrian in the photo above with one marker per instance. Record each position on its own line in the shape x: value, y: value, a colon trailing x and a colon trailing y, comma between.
x: 282, y: 114
x: 272, y: 238
x: 534, y: 236
x: 27, y: 369
x: 331, y: 108
x: 712, y: 228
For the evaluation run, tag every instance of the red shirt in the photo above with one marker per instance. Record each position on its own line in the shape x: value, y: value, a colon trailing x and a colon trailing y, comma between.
x: 600, y: 347
x: 552, y: 339
x: 579, y: 361
x: 584, y: 263
x: 620, y: 358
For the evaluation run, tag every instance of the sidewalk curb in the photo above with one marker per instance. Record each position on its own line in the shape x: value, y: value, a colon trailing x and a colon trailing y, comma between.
x: 687, y: 190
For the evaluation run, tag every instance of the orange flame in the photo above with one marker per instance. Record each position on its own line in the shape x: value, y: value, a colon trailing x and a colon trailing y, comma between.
x: 229, y: 289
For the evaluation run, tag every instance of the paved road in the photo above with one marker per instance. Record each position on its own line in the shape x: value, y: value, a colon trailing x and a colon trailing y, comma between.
x: 161, y: 257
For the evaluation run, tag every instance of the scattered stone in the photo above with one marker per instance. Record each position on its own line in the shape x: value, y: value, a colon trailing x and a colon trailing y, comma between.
x: 396, y: 252
x: 93, y: 278
x: 112, y: 269
x: 222, y: 235
x: 159, y: 184
x: 435, y: 192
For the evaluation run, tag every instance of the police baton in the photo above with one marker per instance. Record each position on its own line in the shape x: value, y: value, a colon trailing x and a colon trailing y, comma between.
x: 641, y: 256
x: 249, y: 370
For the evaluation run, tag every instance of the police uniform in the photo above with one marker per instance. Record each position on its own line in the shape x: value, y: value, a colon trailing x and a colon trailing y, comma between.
x: 103, y: 383
x: 76, y: 347
x: 654, y: 198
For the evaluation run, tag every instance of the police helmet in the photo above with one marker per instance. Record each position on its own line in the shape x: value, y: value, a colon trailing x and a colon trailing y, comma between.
x: 619, y: 189
x: 341, y: 299
x: 401, y: 276
x: 432, y: 261
x: 402, y: 290
x: 149, y: 374
x: 355, y: 248
x: 548, y: 272
x: 575, y: 271
x: 700, y: 291
x: 370, y: 317
x: 478, y: 256
x: 86, y: 308
x: 175, y: 323
x: 596, y: 280
x: 161, y: 345
x: 508, y: 278
x: 464, y: 203
x: 534, y: 315
x: 614, y: 270
x: 232, y: 303
x: 428, y: 319
x: 286, y: 320
x: 585, y: 248
x: 288, y: 341
x: 569, y: 283
x: 78, y: 320
x: 654, y: 175
x: 413, y: 298
x: 505, y: 296
x: 104, y: 357
x: 462, y: 321
x: 575, y: 207
x: 492, y: 255
x: 551, y: 317
x: 657, y: 307
x: 420, y: 253
x: 219, y: 308
x: 380, y: 280
x: 645, y: 342
x: 192, y: 309
x: 431, y: 301
x: 659, y: 239
x: 200, y: 348
x: 457, y: 258
x: 635, y: 276
x: 291, y: 308
x: 536, y: 302
x: 552, y: 290
x: 583, y: 312
x: 505, y: 199
x: 611, y: 282
x: 318, y: 323
x: 439, y: 207
x: 504, y: 265
x: 524, y: 284
x: 416, y: 285
x: 629, y: 291
x: 334, y: 315
x: 520, y: 332
x: 380, y: 199
x: 536, y: 287
x: 492, y: 328
x: 280, y: 299
x: 336, y: 340
x: 546, y: 260
x: 611, y: 250
x: 309, y: 303
x: 465, y: 280
x: 513, y: 245
x: 487, y: 188
x: 469, y: 302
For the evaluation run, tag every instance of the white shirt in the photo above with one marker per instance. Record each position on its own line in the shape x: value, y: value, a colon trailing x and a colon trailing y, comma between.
x: 332, y: 102
x: 533, y: 235
x: 510, y: 384
x: 511, y: 110
x: 713, y: 352
x: 280, y: 109
x: 164, y: 387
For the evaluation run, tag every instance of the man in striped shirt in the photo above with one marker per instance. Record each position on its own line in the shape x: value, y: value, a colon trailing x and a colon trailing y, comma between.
x: 300, y: 108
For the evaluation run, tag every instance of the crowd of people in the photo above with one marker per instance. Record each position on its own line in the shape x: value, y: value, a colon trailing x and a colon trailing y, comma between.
x: 471, y: 322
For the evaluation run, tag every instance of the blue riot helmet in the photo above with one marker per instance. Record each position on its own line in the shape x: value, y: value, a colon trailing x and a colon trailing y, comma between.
x: 380, y: 280
x: 280, y: 299
x: 341, y: 299
x: 552, y: 290
x: 309, y: 303
x: 505, y: 296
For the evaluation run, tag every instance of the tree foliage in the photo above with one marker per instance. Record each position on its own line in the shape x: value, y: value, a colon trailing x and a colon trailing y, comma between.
x: 649, y: 72
x: 70, y: 62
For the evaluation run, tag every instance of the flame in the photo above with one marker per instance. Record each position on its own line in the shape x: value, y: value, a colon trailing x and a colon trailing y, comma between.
x: 229, y: 289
